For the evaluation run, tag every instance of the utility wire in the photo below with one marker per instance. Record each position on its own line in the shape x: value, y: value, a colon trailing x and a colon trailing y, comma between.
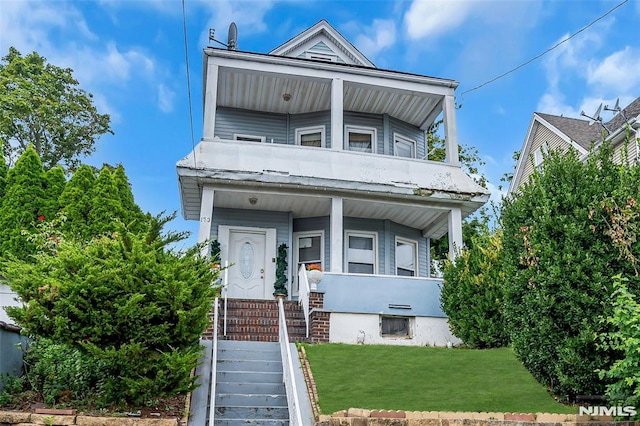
x: 186, y: 58
x: 546, y: 51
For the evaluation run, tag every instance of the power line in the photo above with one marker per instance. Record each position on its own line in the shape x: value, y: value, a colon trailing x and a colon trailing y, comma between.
x: 186, y: 58
x: 546, y: 51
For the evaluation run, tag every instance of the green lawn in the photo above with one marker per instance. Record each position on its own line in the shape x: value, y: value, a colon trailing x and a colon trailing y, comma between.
x: 425, y: 379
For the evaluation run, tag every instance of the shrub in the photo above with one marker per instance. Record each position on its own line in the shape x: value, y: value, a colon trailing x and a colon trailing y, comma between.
x: 125, y: 300
x: 472, y: 293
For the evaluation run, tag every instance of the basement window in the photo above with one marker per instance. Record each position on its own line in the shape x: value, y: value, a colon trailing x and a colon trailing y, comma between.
x: 394, y: 326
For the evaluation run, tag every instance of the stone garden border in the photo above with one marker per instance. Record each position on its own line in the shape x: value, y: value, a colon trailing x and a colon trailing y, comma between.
x: 17, y: 418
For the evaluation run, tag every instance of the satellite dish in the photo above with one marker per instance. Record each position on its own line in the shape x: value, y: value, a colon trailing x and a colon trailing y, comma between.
x: 595, y: 117
x: 232, y: 39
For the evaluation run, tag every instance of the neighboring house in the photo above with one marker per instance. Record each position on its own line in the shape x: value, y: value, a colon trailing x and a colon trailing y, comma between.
x: 548, y: 132
x: 314, y: 147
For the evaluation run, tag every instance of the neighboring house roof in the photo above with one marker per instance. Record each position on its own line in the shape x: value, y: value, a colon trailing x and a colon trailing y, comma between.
x: 323, y: 39
x: 577, y: 133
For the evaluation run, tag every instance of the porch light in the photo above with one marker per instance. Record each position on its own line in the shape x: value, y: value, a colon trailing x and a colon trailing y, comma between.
x: 286, y: 97
x: 253, y: 200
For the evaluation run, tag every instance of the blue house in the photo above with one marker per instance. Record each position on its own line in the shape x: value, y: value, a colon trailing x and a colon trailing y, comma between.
x: 311, y: 146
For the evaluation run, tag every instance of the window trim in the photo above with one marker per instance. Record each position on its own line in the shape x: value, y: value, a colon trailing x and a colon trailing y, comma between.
x: 296, y: 254
x: 260, y: 139
x: 301, y: 131
x: 366, y: 234
x: 362, y: 130
x: 416, y: 265
x: 397, y: 137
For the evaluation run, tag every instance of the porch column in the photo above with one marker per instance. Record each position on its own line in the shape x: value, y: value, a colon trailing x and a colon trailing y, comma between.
x: 450, y: 132
x: 455, y: 233
x: 337, y: 114
x: 210, y: 100
x: 206, y: 211
x: 336, y: 229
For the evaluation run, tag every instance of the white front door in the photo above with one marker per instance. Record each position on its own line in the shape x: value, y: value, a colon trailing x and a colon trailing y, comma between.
x: 251, y: 273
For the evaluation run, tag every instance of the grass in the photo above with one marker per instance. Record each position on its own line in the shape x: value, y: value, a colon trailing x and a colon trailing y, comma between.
x: 425, y: 379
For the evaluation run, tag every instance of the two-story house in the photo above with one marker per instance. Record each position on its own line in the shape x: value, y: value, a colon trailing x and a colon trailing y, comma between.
x: 312, y: 146
x: 550, y: 132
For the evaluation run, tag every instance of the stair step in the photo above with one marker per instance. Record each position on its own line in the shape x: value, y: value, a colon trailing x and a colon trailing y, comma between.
x: 256, y: 346
x: 250, y: 400
x: 248, y: 377
x: 255, y: 422
x: 251, y: 388
x: 252, y: 413
x: 248, y: 354
x: 249, y: 365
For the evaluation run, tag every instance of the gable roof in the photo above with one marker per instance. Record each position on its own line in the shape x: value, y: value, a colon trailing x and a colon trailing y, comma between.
x: 579, y: 131
x: 322, y: 37
x: 631, y: 111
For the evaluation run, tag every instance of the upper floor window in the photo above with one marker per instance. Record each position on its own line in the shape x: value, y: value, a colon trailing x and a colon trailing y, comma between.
x: 361, y: 139
x: 361, y: 252
x: 403, y: 146
x: 249, y: 138
x: 406, y: 257
x: 538, y: 155
x: 310, y: 136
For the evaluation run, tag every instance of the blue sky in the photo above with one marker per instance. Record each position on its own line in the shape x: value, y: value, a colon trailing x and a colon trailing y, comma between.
x: 130, y: 54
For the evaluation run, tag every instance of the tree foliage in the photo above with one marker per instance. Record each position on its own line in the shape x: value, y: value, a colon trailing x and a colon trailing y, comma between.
x: 42, y: 105
x: 472, y: 294
x: 126, y: 301
x: 558, y: 264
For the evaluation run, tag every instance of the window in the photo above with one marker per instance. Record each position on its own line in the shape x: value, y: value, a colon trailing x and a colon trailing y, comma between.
x: 361, y: 253
x: 406, y: 257
x: 361, y: 139
x: 392, y: 326
x: 538, y: 155
x: 403, y: 146
x: 308, y: 249
x: 248, y: 138
x: 310, y: 136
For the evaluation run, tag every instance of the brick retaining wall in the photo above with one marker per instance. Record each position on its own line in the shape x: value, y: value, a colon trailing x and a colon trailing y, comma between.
x: 15, y: 418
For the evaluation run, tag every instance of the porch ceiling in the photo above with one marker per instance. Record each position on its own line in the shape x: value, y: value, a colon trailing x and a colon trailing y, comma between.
x: 262, y: 91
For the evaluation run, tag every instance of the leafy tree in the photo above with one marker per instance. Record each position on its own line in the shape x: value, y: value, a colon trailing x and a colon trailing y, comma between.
x: 125, y: 300
x: 106, y: 208
x: 54, y: 182
x: 76, y: 202
x: 42, y: 105
x: 3, y: 175
x: 22, y: 204
x: 472, y: 294
x: 132, y: 214
x: 558, y: 263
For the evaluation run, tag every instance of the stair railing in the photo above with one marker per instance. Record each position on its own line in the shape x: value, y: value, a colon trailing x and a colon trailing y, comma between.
x: 225, y: 283
x: 295, y: 417
x: 214, y: 363
x: 303, y: 294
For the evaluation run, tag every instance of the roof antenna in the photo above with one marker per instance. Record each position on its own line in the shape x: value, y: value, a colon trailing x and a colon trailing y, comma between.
x: 232, y: 37
x: 617, y: 109
x: 596, y: 118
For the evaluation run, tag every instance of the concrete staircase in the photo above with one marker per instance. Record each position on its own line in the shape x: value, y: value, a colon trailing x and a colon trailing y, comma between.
x: 249, y: 389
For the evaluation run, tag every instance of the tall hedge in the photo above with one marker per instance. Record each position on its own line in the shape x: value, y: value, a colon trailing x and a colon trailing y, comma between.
x: 472, y: 293
x: 127, y: 301
x: 558, y: 264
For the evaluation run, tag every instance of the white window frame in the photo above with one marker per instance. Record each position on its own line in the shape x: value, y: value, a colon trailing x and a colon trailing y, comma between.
x: 416, y: 266
x: 364, y: 234
x: 254, y: 138
x: 312, y: 129
x: 363, y: 130
x: 296, y: 254
x: 410, y: 325
x: 404, y: 139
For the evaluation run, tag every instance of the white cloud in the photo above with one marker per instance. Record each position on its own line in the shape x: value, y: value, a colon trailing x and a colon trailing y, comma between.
x: 166, y: 97
x: 380, y: 35
x: 248, y: 16
x: 619, y: 71
x: 430, y: 18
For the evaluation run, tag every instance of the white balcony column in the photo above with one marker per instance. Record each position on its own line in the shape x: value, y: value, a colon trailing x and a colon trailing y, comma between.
x: 455, y: 233
x: 206, y: 213
x: 337, y: 232
x: 210, y: 101
x: 450, y: 131
x: 337, y: 114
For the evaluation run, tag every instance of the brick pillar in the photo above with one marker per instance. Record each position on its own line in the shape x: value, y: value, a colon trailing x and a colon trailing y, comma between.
x: 319, y: 327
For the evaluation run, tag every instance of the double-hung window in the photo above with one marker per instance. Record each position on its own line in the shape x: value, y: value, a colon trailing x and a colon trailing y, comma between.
x: 362, y: 252
x: 406, y: 257
x: 311, y: 136
x: 403, y: 146
x: 361, y: 139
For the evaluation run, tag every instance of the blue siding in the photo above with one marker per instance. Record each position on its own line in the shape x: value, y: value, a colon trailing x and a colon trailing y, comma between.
x: 411, y: 132
x: 255, y: 123
x: 252, y: 218
x: 322, y: 118
x: 367, y: 120
x: 372, y: 295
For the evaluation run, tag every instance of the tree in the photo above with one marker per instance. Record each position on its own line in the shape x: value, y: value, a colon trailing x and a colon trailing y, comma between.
x: 42, y: 105
x: 22, y: 205
x: 126, y: 301
x: 132, y: 214
x: 54, y: 183
x: 106, y: 208
x: 3, y: 174
x: 76, y: 202
x: 558, y: 265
